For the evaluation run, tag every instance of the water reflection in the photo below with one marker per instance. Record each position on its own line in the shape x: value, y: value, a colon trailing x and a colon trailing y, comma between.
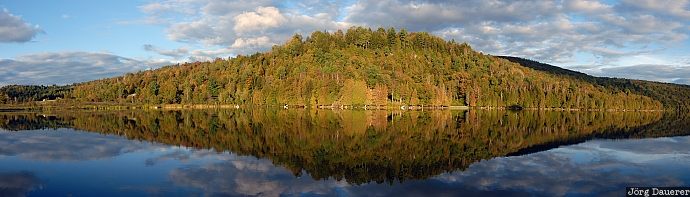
x: 323, y: 152
x: 17, y: 183
x: 599, y: 167
x: 64, y: 145
x: 359, y: 146
x: 251, y: 177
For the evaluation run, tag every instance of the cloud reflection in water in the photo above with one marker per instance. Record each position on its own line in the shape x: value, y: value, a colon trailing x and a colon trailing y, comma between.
x: 66, y: 145
x: 599, y: 167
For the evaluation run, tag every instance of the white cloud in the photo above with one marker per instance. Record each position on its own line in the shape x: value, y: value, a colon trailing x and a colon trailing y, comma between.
x: 68, y: 67
x: 663, y: 73
x: 588, y: 6
x: 434, y: 15
x: 241, y: 27
x: 15, y: 29
x: 262, y: 41
x: 175, y: 53
x: 183, y: 54
x: 196, y: 31
x: 262, y: 19
x: 676, y: 8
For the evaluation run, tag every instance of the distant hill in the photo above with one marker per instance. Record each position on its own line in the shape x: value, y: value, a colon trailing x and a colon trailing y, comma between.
x: 361, y: 66
x: 672, y: 96
x: 544, y: 67
x: 28, y: 93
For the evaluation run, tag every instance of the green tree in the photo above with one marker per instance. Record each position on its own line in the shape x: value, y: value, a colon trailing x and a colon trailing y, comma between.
x: 354, y: 92
x: 213, y: 88
x: 153, y: 89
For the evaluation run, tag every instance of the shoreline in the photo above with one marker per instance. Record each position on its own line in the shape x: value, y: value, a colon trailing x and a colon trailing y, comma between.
x: 113, y: 106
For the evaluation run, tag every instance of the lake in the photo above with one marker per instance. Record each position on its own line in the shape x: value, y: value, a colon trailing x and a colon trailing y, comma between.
x: 302, y: 152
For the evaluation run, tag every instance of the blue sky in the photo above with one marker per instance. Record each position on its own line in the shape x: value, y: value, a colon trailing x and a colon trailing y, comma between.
x: 82, y: 25
x: 63, y: 42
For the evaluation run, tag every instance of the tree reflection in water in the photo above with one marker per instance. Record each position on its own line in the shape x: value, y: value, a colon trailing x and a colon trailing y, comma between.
x: 362, y: 146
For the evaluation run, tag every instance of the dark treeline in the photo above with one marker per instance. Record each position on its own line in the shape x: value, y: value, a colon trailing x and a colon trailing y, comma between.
x: 362, y: 146
x: 672, y: 96
x: 19, y: 122
x: 14, y: 94
x: 361, y: 66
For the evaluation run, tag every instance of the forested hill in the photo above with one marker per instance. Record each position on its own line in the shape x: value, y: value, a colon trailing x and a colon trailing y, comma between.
x: 389, y: 67
x: 672, y: 96
x: 30, y: 93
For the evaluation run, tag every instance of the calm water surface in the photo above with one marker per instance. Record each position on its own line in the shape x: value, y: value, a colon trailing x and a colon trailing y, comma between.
x: 340, y: 153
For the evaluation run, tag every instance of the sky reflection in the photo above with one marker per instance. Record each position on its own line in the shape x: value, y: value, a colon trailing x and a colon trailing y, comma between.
x: 66, y: 161
x: 598, y: 167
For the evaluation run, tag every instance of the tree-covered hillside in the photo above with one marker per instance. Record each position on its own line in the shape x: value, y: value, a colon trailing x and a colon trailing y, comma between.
x: 672, y: 96
x: 380, y: 67
x: 362, y: 67
x: 29, y: 93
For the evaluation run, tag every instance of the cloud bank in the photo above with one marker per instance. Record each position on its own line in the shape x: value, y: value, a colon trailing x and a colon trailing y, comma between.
x: 666, y: 73
x: 68, y: 67
x: 544, y: 30
x: 15, y: 29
